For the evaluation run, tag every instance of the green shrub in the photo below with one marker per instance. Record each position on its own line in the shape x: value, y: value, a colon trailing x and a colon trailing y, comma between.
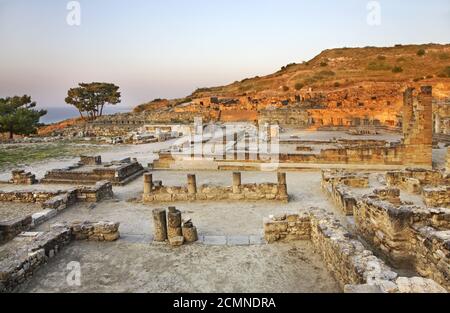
x: 299, y: 86
x: 444, y: 56
x: 446, y: 71
x: 285, y: 88
x: 310, y: 80
x: 378, y: 66
x: 337, y: 84
x: 397, y: 69
x: 421, y: 52
x: 326, y: 73
x: 323, y: 64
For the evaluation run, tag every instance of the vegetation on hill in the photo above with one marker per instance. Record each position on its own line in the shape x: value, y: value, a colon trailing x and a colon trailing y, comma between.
x: 345, y: 67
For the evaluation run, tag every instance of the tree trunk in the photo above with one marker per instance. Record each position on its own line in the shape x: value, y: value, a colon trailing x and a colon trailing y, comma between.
x: 11, y: 135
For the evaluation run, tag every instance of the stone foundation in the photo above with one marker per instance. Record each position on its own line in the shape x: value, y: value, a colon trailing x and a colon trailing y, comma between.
x: 20, y: 177
x: 402, y: 235
x: 10, y: 229
x: 243, y: 192
x: 89, y: 171
x: 413, y: 179
x: 52, y: 203
x: 336, y: 183
x: 355, y: 268
x: 437, y: 197
x: 30, y: 251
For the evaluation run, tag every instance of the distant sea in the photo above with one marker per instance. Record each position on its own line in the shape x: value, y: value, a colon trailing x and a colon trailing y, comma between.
x: 57, y: 114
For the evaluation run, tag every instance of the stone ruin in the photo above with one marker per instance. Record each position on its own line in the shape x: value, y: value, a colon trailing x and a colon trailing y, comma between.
x: 90, y: 170
x: 26, y: 253
x: 415, y: 148
x: 406, y: 234
x: 20, y: 177
x: 356, y: 269
x: 172, y: 228
x: 52, y: 203
x: 157, y: 192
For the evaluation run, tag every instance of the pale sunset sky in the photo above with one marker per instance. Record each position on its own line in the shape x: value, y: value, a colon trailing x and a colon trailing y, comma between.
x: 166, y: 49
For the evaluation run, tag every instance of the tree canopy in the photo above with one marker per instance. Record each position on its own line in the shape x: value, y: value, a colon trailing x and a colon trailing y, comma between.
x: 91, y: 98
x: 17, y: 116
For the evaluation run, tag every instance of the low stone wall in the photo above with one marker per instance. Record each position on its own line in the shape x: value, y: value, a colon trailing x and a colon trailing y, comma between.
x: 20, y: 177
x: 336, y: 183
x: 398, y: 232
x: 117, y: 172
x: 28, y: 257
x: 432, y: 253
x: 437, y: 197
x: 99, y: 231
x: 10, y: 229
x: 243, y: 192
x: 33, y: 252
x: 28, y: 196
x: 57, y: 201
x: 355, y: 268
x: 413, y: 179
x: 447, y: 164
x: 101, y: 190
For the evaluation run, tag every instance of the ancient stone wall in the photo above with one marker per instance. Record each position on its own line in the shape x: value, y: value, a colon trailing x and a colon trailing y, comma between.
x: 354, y: 267
x: 32, y: 250
x: 10, y: 229
x: 417, y: 127
x: 413, y: 179
x: 336, y: 183
x: 20, y: 177
x: 118, y: 173
x: 241, y: 192
x: 437, y: 196
x: 397, y: 232
x: 98, y: 231
x: 27, y: 196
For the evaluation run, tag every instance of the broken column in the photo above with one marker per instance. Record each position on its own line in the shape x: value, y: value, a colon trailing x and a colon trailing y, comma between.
x: 235, y: 139
x: 148, y: 183
x: 159, y: 222
x: 237, y: 181
x: 282, y: 185
x: 192, y: 184
x: 189, y: 232
x: 174, y: 224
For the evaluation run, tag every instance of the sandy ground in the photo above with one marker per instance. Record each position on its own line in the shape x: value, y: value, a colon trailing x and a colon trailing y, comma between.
x: 211, y: 218
x: 10, y: 211
x: 119, y: 267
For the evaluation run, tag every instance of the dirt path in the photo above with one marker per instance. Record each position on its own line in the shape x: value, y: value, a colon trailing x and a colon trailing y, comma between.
x: 124, y: 267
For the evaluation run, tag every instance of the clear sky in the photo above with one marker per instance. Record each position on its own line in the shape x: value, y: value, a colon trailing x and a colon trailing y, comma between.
x: 168, y: 48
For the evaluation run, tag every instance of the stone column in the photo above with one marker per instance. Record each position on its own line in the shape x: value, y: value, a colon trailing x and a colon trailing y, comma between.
x: 148, y: 183
x: 174, y: 223
x: 282, y: 178
x: 159, y: 222
x: 235, y: 139
x: 192, y: 184
x: 237, y: 181
x: 224, y: 144
x: 282, y: 185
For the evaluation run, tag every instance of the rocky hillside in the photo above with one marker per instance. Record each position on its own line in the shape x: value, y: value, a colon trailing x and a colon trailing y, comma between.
x: 346, y: 67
